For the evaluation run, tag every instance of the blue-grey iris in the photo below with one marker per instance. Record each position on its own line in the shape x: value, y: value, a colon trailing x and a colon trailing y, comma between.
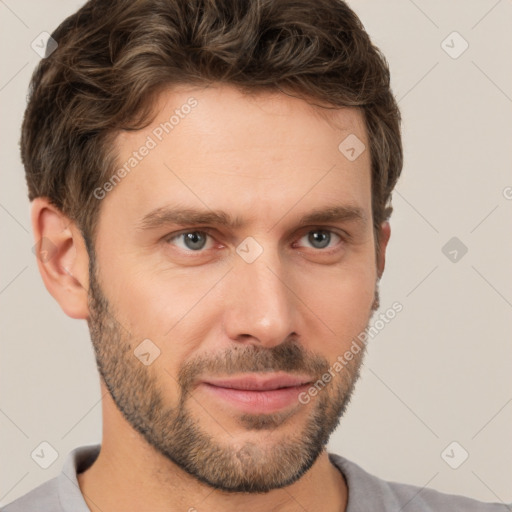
x: 319, y: 239
x: 195, y: 240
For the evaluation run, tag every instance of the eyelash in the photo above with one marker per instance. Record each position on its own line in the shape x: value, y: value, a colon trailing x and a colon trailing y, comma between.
x: 208, y: 232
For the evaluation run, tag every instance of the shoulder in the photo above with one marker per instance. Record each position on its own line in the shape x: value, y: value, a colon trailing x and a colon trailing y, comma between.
x: 61, y: 493
x: 43, y: 498
x: 368, y: 492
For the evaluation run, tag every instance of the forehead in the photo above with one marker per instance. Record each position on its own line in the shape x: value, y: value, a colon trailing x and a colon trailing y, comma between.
x: 220, y: 148
x: 226, y: 110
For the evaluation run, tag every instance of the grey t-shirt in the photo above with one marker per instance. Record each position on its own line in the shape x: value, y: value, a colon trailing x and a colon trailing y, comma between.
x: 366, y: 493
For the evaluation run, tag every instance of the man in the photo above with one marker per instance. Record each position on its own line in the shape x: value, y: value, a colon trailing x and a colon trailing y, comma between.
x: 210, y: 187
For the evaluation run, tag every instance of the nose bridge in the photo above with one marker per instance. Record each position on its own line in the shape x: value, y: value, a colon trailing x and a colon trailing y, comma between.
x: 262, y: 306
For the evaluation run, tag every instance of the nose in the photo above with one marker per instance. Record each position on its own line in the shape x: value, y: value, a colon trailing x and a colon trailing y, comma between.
x: 261, y: 307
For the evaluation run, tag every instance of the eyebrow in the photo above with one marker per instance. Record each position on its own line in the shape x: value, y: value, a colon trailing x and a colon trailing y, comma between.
x: 166, y: 215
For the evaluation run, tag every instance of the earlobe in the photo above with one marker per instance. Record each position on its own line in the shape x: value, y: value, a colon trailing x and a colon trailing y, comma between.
x: 62, y: 257
x: 385, y: 233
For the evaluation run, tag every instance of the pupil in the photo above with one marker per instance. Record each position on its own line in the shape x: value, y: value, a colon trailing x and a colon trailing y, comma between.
x: 195, y: 240
x: 319, y: 239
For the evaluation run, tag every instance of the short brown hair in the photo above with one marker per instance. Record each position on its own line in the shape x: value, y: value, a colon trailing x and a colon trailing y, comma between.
x: 114, y: 56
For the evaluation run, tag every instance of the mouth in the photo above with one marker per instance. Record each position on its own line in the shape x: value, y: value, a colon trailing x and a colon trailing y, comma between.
x: 258, y: 393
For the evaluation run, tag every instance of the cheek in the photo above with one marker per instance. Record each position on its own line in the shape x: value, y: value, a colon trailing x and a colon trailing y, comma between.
x: 341, y: 300
x: 175, y: 310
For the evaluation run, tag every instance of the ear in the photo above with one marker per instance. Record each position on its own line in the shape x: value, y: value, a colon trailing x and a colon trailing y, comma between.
x: 385, y: 233
x: 62, y: 257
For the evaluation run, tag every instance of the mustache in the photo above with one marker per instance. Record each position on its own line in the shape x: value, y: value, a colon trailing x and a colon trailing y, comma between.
x: 288, y: 357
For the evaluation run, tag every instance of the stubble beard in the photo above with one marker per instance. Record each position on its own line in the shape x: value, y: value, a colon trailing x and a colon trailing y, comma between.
x: 177, y: 435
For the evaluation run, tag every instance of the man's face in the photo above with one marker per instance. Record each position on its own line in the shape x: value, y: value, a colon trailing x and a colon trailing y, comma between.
x: 244, y: 286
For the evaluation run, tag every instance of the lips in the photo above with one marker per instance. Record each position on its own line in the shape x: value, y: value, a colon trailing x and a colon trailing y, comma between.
x: 258, y: 393
x: 260, y: 382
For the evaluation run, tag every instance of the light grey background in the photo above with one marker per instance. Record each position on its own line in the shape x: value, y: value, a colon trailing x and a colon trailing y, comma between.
x: 438, y: 373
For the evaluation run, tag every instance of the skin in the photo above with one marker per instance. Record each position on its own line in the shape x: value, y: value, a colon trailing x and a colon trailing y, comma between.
x: 267, y: 160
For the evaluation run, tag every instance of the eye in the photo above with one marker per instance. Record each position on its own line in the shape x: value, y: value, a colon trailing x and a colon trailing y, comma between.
x: 321, y: 238
x: 190, y: 240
